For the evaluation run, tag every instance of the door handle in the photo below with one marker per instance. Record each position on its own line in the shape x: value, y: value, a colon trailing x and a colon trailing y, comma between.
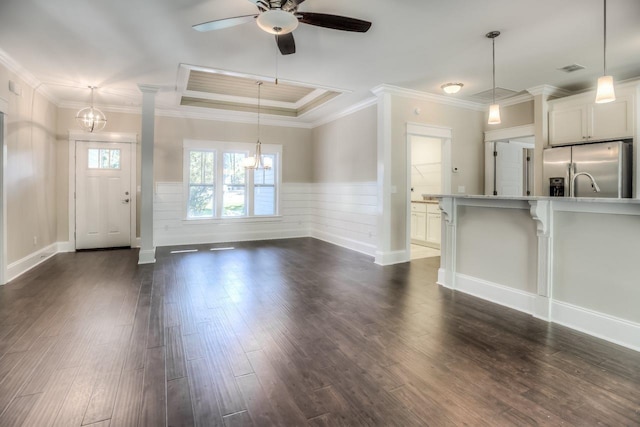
x: 125, y: 201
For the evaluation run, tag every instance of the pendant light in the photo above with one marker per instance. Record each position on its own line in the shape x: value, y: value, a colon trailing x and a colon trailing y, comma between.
x: 258, y: 161
x: 494, y: 109
x: 605, y: 91
x: 90, y: 119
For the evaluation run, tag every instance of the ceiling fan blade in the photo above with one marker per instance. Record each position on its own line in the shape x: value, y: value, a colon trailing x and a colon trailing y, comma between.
x: 334, y: 21
x: 224, y: 23
x: 286, y: 43
x: 262, y: 5
x: 289, y: 5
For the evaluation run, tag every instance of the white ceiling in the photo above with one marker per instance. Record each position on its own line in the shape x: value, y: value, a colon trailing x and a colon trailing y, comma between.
x: 417, y: 44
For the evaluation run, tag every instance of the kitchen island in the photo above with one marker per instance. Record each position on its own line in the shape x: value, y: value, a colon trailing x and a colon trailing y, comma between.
x: 572, y: 261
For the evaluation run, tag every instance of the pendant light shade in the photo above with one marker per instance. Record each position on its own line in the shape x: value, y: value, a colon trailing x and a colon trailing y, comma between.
x: 494, y: 109
x: 258, y: 161
x: 605, y: 92
x: 90, y: 119
x: 494, y: 114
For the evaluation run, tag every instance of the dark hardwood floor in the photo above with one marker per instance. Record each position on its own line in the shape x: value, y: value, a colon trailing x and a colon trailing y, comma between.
x: 290, y: 332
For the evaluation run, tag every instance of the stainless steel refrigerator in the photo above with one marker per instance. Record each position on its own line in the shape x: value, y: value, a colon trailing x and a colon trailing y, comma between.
x: 603, y: 166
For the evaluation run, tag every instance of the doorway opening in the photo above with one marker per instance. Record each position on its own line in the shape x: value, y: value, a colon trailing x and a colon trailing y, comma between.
x: 3, y: 198
x: 509, y: 167
x: 429, y: 166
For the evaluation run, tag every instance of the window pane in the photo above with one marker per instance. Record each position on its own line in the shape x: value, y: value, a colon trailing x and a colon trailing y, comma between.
x: 195, y: 167
x: 234, y: 190
x: 264, y: 200
x: 265, y: 176
x: 94, y: 155
x: 114, y: 159
x: 208, y: 167
x: 200, y: 201
x: 104, y: 158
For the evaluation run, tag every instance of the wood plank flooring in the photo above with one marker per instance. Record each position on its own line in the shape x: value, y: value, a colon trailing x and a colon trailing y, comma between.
x: 290, y: 332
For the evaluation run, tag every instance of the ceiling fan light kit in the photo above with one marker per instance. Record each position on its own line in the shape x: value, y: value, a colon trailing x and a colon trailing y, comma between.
x: 277, y: 21
x: 90, y: 119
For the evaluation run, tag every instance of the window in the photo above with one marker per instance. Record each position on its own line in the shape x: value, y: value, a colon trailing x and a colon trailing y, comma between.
x: 201, y: 201
x: 103, y: 158
x: 217, y: 186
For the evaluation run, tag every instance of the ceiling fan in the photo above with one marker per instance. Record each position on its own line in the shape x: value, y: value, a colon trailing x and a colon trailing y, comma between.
x: 281, y: 17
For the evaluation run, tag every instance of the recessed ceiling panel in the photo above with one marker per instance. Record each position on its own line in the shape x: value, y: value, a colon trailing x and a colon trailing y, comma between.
x: 227, y: 91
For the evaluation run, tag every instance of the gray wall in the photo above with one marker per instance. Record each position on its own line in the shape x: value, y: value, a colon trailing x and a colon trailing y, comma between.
x: 345, y: 150
x: 513, y: 115
x: 31, y: 169
x: 169, y: 135
x: 467, y: 152
x: 587, y: 272
x: 509, y: 235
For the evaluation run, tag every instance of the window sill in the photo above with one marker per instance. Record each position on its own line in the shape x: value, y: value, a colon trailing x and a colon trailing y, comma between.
x: 231, y: 220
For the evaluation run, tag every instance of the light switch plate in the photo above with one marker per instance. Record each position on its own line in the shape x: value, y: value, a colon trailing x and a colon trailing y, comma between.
x: 461, y: 189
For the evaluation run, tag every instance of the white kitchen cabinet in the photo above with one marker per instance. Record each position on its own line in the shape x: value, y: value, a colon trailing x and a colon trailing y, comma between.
x: 434, y: 226
x: 579, y: 119
x: 418, y: 222
x: 425, y: 224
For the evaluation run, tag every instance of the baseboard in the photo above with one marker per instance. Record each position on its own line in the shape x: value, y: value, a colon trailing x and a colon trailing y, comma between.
x: 64, y: 247
x: 18, y: 268
x: 608, y: 328
x: 221, y: 237
x: 354, y: 245
x: 147, y: 256
x: 394, y: 257
x: 442, y: 278
x: 503, y: 295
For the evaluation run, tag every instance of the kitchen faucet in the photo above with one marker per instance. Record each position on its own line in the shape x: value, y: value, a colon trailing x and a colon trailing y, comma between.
x: 572, y: 190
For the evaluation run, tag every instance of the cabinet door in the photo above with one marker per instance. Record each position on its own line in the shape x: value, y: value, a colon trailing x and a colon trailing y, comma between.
x: 433, y: 228
x: 611, y: 120
x: 414, y: 225
x: 567, y: 124
x: 421, y: 226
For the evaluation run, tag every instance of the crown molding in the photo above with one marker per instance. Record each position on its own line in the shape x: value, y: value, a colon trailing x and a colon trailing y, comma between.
x: 24, y: 75
x: 518, y: 99
x: 186, y: 112
x: 424, y: 96
x: 148, y: 88
x: 548, y: 90
x: 346, y: 112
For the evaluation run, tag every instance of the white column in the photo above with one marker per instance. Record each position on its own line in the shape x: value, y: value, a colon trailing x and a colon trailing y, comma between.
x: 4, y: 108
x: 447, y: 270
x: 147, y: 249
x: 541, y: 213
x: 384, y: 178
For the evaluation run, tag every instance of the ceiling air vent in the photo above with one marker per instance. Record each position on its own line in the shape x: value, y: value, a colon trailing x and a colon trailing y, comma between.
x: 487, y: 95
x: 571, y: 68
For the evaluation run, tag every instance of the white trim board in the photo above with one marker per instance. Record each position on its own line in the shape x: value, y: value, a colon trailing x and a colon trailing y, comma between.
x: 600, y: 325
x: 21, y: 266
x: 509, y: 133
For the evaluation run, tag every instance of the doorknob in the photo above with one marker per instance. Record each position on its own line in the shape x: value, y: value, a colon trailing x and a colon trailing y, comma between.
x: 125, y: 201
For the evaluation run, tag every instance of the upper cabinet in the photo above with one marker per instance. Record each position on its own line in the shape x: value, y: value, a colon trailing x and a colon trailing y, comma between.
x: 579, y: 119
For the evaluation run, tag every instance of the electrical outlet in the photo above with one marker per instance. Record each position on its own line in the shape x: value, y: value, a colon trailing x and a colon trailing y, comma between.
x: 35, y: 240
x: 461, y: 189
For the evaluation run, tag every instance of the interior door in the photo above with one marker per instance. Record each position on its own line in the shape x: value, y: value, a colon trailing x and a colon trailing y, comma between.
x: 103, y: 195
x: 509, y: 169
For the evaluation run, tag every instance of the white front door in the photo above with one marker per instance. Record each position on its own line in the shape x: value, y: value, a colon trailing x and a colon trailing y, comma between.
x: 103, y: 195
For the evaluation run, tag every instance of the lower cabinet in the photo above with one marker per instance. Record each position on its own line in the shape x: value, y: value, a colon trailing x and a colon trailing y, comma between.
x: 425, y: 224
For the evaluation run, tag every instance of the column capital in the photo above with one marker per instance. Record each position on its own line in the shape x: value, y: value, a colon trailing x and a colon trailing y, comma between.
x: 148, y: 88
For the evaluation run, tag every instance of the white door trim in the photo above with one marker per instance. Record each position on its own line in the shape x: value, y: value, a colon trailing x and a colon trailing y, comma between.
x: 431, y: 131
x: 74, y: 137
x: 4, y: 110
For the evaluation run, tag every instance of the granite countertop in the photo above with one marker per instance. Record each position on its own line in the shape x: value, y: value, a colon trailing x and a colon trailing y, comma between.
x: 537, y: 198
x: 432, y: 201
